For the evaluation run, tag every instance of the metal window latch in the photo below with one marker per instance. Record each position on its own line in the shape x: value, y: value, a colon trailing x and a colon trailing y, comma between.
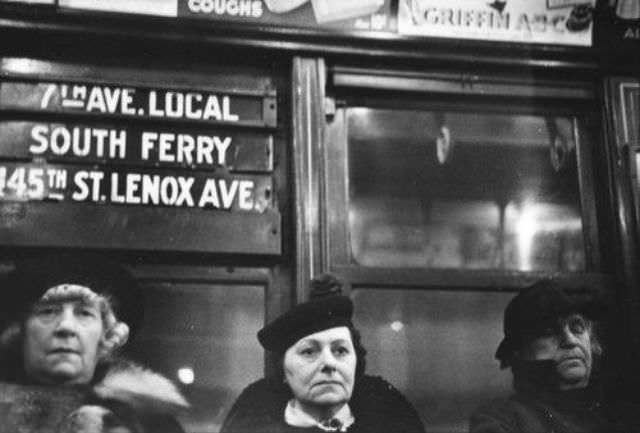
x: 329, y: 107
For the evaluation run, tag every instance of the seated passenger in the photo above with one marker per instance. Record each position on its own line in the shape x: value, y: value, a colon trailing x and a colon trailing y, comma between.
x: 65, y: 318
x: 322, y: 385
x: 553, y: 352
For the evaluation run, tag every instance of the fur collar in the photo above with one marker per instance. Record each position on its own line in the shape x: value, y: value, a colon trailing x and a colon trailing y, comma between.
x: 139, y: 388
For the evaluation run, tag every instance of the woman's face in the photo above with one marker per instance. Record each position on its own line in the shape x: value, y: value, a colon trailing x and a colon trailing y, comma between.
x: 61, y: 340
x: 320, y: 368
x: 569, y: 346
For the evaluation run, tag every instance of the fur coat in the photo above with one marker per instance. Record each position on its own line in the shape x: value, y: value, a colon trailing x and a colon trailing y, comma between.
x: 376, y: 405
x: 125, y: 398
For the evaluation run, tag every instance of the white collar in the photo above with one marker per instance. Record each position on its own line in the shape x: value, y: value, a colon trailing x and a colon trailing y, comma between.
x: 295, y: 416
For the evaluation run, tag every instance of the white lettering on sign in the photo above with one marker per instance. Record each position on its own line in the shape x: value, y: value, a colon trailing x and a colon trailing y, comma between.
x: 88, y: 184
x: 151, y: 189
x: 185, y: 148
x: 33, y: 182
x: 110, y: 100
x: 196, y: 106
x: 170, y: 104
x: 219, y: 193
x: 78, y: 141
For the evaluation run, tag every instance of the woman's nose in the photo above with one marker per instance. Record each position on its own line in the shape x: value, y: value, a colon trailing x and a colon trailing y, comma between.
x: 67, y: 322
x: 567, y: 337
x: 328, y: 360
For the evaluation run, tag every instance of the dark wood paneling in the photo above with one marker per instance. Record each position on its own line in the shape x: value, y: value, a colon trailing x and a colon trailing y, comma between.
x: 91, y: 226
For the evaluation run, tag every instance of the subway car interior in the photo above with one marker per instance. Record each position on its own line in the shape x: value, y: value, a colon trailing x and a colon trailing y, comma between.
x: 438, y: 159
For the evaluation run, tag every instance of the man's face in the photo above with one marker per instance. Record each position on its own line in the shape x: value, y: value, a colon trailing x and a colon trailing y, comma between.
x: 61, y: 341
x: 320, y: 368
x: 569, y: 345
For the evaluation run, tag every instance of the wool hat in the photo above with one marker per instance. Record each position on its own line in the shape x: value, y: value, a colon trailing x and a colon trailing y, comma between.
x: 326, y: 308
x: 534, y: 310
x: 33, y: 277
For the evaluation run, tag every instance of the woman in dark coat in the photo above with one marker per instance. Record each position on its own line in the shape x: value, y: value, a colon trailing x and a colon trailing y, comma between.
x: 322, y: 386
x: 553, y: 351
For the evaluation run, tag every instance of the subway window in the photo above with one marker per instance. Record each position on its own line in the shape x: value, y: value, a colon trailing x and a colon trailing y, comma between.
x: 435, y: 346
x: 202, y: 336
x: 465, y: 190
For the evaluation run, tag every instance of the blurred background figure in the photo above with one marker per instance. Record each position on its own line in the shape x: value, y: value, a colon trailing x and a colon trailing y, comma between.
x: 322, y: 385
x: 553, y: 351
x: 64, y: 320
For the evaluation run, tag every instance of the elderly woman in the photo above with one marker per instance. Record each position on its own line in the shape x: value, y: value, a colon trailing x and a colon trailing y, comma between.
x: 65, y: 318
x: 322, y: 385
x: 553, y: 351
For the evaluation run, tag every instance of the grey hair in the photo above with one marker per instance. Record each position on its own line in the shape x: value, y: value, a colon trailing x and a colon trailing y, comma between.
x: 593, y: 328
x: 114, y: 335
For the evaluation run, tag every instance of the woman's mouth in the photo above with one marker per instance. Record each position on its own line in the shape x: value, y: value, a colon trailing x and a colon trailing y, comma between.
x: 63, y: 350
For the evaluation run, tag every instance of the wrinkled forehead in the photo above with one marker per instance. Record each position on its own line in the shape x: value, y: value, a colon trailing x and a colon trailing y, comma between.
x: 572, y: 317
x: 555, y: 324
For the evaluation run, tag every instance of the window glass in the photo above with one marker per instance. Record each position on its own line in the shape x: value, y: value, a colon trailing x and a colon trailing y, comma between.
x: 437, y: 347
x: 203, y: 337
x: 464, y: 190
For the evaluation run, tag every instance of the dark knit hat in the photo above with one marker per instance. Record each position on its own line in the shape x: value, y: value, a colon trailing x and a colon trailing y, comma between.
x: 534, y: 310
x: 34, y: 276
x: 326, y: 308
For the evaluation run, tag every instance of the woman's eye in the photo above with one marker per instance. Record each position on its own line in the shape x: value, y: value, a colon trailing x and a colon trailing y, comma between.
x: 45, y: 311
x: 87, y: 313
x: 341, y: 350
x: 306, y: 352
x: 577, y: 326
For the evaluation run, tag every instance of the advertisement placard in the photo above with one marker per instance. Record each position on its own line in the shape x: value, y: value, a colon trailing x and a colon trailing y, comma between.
x: 165, y: 8
x: 341, y: 14
x: 562, y: 22
x: 348, y: 15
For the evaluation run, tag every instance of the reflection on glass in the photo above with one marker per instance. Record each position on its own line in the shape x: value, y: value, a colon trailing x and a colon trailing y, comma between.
x: 203, y: 337
x: 638, y: 168
x: 437, y: 347
x: 464, y: 190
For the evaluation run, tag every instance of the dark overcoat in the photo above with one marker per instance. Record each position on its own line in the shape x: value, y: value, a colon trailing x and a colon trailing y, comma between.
x: 537, y: 407
x: 376, y: 405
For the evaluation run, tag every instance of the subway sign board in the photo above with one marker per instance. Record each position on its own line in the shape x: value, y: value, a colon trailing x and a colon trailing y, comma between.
x: 197, y: 147
x: 146, y: 103
x: 197, y: 190
x: 147, y: 167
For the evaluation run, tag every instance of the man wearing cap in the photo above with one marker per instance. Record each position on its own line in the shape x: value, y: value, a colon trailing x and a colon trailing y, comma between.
x: 321, y: 386
x: 65, y: 319
x: 553, y: 351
